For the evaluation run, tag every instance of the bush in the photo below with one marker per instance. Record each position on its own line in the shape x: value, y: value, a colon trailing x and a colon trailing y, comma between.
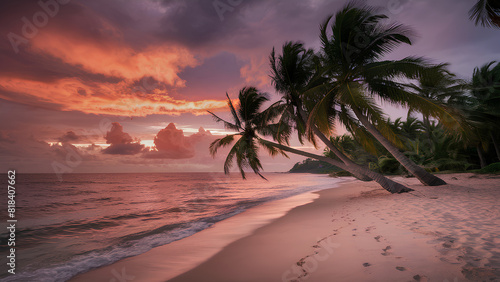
x: 388, y: 165
x: 451, y: 164
x: 340, y: 173
x: 491, y: 168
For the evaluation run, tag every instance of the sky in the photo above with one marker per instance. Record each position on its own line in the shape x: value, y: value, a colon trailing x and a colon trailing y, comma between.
x: 125, y: 86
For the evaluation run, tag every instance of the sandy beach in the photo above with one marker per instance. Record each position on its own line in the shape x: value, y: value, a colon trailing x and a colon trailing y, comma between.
x: 356, y: 232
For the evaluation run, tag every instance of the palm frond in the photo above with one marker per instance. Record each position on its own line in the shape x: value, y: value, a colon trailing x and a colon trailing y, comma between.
x: 486, y: 13
x: 359, y: 133
x: 251, y: 101
x: 228, y: 163
x: 409, y: 67
x: 273, y: 151
x: 227, y: 125
x: 221, y: 143
x: 236, y: 119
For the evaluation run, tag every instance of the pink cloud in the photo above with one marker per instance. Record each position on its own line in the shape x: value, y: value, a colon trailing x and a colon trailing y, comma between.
x: 170, y: 143
x: 121, y: 142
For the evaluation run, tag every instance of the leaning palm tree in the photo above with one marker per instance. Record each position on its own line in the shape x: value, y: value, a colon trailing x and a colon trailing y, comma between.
x: 295, y: 77
x: 250, y: 121
x: 356, y: 76
x: 486, y: 13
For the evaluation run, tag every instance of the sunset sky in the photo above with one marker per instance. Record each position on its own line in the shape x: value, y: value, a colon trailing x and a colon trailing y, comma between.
x: 124, y: 86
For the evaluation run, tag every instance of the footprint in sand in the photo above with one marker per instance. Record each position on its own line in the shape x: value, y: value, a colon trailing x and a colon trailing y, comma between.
x: 369, y: 228
x: 400, y: 268
x: 386, y: 253
x: 421, y: 278
x: 377, y: 238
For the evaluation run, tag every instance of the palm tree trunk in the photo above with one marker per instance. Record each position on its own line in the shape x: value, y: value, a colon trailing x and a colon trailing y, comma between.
x: 385, y: 182
x: 421, y: 174
x: 348, y: 162
x: 480, y: 153
x: 337, y: 152
x: 427, y: 125
x: 495, y: 144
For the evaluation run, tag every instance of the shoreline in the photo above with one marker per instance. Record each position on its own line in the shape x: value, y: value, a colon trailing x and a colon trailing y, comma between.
x: 357, y: 232
x: 168, y: 261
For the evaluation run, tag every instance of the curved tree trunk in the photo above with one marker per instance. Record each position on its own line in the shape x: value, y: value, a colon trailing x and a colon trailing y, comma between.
x: 348, y: 162
x: 355, y: 172
x: 480, y: 154
x: 421, y: 174
x: 385, y: 182
x: 495, y: 144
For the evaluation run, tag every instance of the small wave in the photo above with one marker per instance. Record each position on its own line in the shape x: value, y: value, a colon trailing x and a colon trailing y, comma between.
x: 247, y: 203
x: 201, y: 200
x: 148, y: 202
x: 57, y: 205
x: 151, y: 218
x: 136, y: 215
x: 62, y: 229
x: 98, y: 258
x: 84, y: 192
x: 176, y: 209
x: 115, y: 200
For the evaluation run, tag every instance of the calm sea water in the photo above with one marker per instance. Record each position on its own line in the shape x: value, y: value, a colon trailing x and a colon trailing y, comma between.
x: 90, y: 220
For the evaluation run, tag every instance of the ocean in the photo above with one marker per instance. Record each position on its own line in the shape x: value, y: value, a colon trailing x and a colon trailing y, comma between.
x: 89, y: 220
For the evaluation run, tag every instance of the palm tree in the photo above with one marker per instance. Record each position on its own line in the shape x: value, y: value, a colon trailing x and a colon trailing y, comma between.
x: 484, y: 109
x: 351, y: 148
x: 442, y: 86
x: 250, y: 121
x: 486, y: 13
x: 412, y: 127
x: 356, y: 76
x: 247, y: 121
x: 295, y: 76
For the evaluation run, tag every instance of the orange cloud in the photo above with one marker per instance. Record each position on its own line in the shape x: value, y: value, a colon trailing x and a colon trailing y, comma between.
x: 105, y: 98
x: 257, y: 71
x: 116, y: 59
x: 117, y: 67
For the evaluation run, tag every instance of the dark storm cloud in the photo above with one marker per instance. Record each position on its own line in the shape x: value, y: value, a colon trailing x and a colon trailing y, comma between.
x: 242, y: 24
x: 197, y: 23
x: 445, y: 34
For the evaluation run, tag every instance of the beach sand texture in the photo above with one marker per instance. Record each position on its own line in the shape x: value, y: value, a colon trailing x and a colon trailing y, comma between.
x: 360, y: 232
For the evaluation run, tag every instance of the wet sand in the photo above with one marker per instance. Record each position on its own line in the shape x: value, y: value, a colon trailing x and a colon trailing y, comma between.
x: 357, y: 232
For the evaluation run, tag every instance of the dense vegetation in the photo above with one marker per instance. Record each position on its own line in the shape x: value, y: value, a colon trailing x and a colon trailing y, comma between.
x: 428, y: 146
x: 313, y: 166
x: 342, y: 83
